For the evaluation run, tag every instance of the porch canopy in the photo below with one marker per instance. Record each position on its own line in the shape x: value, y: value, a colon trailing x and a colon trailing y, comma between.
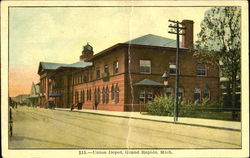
x: 148, y: 82
x: 33, y: 96
x: 54, y: 94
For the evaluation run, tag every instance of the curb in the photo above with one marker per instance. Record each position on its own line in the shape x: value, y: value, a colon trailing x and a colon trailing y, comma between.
x: 147, y: 119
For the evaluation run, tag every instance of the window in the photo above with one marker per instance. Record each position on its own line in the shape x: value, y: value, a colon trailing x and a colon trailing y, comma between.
x: 181, y: 93
x: 197, y: 95
x: 76, y: 97
x: 107, y: 94
x: 103, y: 95
x: 87, y: 95
x: 115, y: 67
x: 145, y: 66
x: 145, y: 96
x: 90, y: 94
x: 201, y: 70
x: 142, y: 96
x: 97, y: 73
x: 169, y: 91
x: 106, y: 71
x: 83, y: 96
x: 95, y: 96
x: 117, y: 93
x: 149, y: 95
x: 172, y: 69
x: 207, y: 93
x: 98, y: 96
x: 112, y: 93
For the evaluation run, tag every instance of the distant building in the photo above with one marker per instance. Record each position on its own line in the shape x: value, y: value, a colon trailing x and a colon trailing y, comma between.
x: 127, y: 75
x: 21, y: 99
x: 34, y: 94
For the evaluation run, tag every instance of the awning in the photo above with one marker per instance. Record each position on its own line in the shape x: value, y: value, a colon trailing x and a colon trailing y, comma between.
x: 148, y: 82
x: 54, y: 94
x: 32, y: 97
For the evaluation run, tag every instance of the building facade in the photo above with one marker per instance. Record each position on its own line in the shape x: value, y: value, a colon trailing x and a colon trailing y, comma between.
x: 128, y: 75
x: 34, y: 95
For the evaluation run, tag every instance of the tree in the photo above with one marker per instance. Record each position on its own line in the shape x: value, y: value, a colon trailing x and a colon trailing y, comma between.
x: 220, y: 38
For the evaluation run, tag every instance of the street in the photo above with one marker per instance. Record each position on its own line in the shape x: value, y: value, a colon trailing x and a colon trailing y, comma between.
x: 44, y: 128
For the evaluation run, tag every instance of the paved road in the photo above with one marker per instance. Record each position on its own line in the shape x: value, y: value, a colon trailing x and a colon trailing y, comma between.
x: 43, y: 128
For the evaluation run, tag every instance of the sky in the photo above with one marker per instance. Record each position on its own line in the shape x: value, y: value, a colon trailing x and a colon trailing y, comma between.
x: 56, y: 34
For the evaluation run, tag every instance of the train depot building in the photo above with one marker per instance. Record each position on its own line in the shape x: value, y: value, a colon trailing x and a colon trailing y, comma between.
x: 127, y: 75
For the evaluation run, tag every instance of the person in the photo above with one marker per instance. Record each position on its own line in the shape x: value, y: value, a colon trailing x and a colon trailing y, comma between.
x: 79, y: 106
x: 10, y: 122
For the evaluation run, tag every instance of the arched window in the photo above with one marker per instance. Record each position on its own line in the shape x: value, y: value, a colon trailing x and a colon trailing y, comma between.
x: 197, y: 95
x: 112, y: 93
x: 98, y: 95
x: 169, y: 91
x: 142, y: 96
x: 90, y: 94
x: 76, y: 96
x: 87, y: 95
x: 103, y: 95
x: 95, y: 96
x: 117, y: 93
x: 83, y: 96
x: 181, y: 93
x: 107, y: 95
x: 207, y: 93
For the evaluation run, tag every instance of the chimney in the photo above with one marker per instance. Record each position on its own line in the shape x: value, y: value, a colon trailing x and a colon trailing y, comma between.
x: 87, y: 52
x: 187, y: 39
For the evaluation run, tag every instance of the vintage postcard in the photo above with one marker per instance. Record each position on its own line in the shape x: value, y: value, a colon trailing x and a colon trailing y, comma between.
x: 124, y: 79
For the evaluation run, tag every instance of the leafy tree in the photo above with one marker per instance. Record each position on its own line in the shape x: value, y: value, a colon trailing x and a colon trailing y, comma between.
x: 220, y: 40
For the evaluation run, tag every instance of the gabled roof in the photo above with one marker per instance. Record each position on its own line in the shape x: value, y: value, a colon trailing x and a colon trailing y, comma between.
x: 148, y: 82
x: 153, y: 40
x: 55, y: 66
x: 49, y: 66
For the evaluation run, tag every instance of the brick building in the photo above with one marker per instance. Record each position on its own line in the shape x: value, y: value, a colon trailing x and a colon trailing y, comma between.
x: 127, y: 75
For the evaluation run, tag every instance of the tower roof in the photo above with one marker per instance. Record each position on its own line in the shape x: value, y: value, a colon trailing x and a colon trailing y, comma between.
x: 87, y: 47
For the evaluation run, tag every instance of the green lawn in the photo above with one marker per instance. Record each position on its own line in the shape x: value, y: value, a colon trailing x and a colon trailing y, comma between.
x: 212, y: 115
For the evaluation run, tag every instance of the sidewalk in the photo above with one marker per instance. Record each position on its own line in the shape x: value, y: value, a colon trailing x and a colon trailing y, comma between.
x: 220, y: 124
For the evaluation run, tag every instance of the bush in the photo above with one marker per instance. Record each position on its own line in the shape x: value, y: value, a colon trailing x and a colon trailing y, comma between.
x: 162, y: 106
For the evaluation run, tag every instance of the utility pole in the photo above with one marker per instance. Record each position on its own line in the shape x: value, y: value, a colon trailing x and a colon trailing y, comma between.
x: 176, y: 29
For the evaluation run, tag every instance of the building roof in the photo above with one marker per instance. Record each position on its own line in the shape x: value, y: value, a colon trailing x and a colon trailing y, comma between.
x: 148, y: 40
x: 153, y: 40
x: 54, y: 66
x: 33, y: 96
x: 148, y: 82
x: 50, y: 65
x: 79, y: 64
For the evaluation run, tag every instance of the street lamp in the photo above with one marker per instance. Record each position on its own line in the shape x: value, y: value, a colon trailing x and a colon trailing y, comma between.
x: 165, y: 76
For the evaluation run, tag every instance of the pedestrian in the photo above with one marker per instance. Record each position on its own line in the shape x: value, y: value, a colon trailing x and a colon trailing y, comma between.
x: 10, y: 122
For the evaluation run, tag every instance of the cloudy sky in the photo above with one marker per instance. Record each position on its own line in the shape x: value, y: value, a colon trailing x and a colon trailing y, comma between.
x: 57, y: 34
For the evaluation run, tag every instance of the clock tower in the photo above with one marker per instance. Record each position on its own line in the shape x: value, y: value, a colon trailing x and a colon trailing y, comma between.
x: 87, y: 52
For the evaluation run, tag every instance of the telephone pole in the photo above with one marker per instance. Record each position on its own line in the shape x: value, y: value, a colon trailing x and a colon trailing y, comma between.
x: 176, y: 29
